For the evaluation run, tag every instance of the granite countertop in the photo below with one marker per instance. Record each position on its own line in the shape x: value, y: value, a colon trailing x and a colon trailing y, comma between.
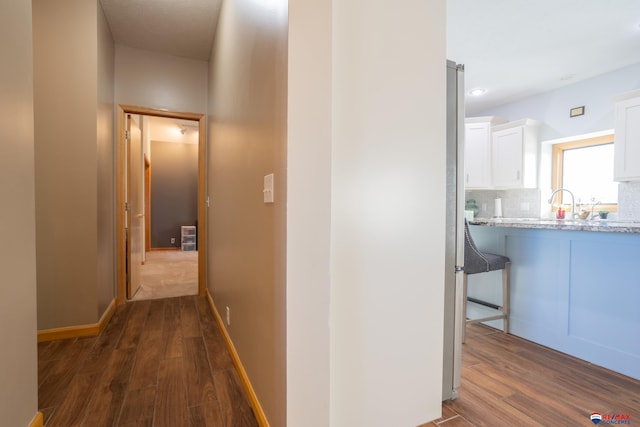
x: 560, y: 224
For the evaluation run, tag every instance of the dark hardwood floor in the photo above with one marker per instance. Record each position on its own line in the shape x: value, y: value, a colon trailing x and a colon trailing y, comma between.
x: 508, y: 381
x: 157, y: 363
x: 164, y: 363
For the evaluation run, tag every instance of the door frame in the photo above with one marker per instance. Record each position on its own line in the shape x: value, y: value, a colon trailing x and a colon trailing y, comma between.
x: 121, y: 112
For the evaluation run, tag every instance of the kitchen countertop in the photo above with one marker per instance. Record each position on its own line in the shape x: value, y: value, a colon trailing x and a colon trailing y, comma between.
x: 560, y: 224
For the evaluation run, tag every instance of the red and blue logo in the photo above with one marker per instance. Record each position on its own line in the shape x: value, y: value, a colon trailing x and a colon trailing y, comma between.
x: 598, y: 418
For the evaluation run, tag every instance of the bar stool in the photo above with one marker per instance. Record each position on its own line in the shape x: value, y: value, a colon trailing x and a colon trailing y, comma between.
x: 476, y: 261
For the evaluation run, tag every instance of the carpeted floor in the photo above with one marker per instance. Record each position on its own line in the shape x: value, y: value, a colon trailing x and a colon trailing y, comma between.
x: 168, y: 274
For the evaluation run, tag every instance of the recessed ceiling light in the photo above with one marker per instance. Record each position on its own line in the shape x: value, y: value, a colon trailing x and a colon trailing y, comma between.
x: 477, y: 92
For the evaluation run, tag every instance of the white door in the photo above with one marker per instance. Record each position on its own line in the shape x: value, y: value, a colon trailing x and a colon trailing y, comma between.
x: 135, y: 203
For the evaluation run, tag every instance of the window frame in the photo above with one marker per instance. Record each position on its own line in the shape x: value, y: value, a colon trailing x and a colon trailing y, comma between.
x: 557, y: 152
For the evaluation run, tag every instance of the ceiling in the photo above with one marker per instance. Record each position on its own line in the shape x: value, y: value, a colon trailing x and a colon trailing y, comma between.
x: 516, y: 48
x: 177, y: 27
x: 511, y: 48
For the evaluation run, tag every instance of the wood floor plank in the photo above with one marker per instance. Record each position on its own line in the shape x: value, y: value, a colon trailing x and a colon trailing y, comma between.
x: 447, y: 413
x: 219, y: 357
x: 476, y: 403
x: 149, y: 352
x: 567, y: 382
x: 54, y: 350
x: 171, y: 400
x: 61, y: 373
x: 207, y: 415
x: 189, y: 317
x: 498, y: 387
x: 44, y: 369
x: 456, y: 422
x: 548, y: 387
x: 199, y: 380
x: 47, y: 413
x: 234, y: 407
x: 135, y: 323
x: 147, y: 422
x: 172, y: 335
x: 548, y: 393
x: 71, y: 411
x: 142, y: 371
x: 116, y: 324
x: 544, y: 410
x: 104, y: 408
x: 137, y: 409
x: 107, y: 340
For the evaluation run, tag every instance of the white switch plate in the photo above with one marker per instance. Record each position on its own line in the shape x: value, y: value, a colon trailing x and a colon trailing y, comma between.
x: 267, y: 192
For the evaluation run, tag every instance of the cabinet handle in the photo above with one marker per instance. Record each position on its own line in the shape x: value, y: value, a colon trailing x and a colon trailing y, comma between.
x: 518, y: 175
x: 467, y: 179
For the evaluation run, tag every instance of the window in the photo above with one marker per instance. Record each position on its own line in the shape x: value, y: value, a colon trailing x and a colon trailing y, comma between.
x: 586, y: 168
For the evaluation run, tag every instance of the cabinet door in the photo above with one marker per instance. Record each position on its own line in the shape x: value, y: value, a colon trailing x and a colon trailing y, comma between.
x: 477, y: 155
x: 627, y: 141
x: 507, y: 158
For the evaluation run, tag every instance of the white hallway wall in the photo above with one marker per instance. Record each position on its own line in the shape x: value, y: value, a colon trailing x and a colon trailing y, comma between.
x: 365, y: 249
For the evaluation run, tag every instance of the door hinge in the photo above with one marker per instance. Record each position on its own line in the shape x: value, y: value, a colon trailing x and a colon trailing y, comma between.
x: 126, y: 206
x: 127, y: 135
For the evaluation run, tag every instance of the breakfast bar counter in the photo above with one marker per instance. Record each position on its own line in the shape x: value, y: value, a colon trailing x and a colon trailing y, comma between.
x: 574, y: 287
x: 561, y: 224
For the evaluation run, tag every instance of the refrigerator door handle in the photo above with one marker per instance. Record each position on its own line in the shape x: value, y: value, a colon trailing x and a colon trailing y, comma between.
x: 460, y: 186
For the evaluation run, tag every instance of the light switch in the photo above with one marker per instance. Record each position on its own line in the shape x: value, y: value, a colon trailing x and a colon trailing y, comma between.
x: 267, y: 192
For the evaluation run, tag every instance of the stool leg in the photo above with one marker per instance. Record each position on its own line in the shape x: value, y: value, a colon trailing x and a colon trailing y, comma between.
x: 505, y: 296
x: 464, y: 306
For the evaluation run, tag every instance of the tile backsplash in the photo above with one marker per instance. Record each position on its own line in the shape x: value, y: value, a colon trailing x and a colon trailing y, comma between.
x: 527, y: 203
x: 629, y: 201
x: 522, y: 203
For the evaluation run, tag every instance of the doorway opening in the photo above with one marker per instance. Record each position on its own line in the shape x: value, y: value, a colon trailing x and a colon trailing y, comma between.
x: 141, y: 247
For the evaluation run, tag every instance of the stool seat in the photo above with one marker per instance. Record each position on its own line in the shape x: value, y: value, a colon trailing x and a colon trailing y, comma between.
x: 483, y: 262
x: 477, y: 261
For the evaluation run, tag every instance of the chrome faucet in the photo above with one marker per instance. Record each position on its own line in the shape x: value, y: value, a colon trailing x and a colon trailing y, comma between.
x: 573, y: 200
x: 593, y: 206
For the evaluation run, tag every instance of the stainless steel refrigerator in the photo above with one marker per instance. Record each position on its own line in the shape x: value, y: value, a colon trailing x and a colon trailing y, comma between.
x: 454, y: 259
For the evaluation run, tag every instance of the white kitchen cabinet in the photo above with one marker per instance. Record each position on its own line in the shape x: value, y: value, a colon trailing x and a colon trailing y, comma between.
x: 477, y: 151
x: 514, y: 152
x: 626, y: 163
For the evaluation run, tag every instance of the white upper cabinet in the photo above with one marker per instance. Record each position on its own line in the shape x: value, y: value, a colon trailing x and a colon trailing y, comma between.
x: 515, y: 154
x: 626, y: 165
x: 477, y: 151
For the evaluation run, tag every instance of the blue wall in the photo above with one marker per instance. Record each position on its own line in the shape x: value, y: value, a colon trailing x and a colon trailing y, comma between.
x: 552, y: 108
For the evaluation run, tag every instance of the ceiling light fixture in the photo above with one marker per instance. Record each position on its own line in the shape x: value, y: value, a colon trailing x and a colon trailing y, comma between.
x: 477, y: 92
